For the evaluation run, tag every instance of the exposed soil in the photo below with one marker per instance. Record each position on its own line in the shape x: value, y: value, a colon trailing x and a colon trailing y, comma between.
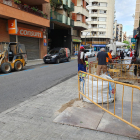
x: 69, y: 104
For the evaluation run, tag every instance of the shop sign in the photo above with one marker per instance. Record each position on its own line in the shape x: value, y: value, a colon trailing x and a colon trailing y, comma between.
x: 29, y: 33
x: 133, y: 40
x: 12, y: 26
x: 76, y: 40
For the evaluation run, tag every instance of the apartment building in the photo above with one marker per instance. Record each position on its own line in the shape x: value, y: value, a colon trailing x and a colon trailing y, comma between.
x: 137, y: 17
x: 30, y: 21
x: 124, y: 36
x: 68, y: 19
x: 80, y: 14
x: 61, y: 23
x: 119, y: 33
x: 101, y: 23
x: 115, y: 30
x: 137, y: 25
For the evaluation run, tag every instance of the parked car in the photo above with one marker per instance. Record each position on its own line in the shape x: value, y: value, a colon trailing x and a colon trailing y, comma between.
x: 57, y: 55
x: 89, y: 53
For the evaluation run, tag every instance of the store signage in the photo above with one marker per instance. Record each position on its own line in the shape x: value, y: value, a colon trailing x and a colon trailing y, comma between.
x: 29, y: 33
x: 12, y: 26
x: 76, y: 40
x: 133, y: 40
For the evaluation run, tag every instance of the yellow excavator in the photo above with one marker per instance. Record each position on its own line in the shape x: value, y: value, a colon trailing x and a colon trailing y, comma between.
x: 13, y: 56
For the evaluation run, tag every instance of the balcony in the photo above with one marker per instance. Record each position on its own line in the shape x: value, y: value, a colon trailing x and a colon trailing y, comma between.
x: 23, y: 12
x: 81, y: 10
x: 65, y: 4
x: 80, y: 25
x: 71, y: 8
x: 57, y: 17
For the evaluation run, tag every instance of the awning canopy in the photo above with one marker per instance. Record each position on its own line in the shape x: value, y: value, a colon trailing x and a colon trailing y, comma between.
x: 118, y: 44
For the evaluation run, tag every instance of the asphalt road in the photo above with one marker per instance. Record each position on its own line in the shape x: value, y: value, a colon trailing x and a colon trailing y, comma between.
x: 17, y: 87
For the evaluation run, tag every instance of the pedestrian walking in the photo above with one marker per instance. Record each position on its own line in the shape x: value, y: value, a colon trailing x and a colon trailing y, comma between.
x: 102, y: 64
x: 131, y: 53
x: 81, y: 61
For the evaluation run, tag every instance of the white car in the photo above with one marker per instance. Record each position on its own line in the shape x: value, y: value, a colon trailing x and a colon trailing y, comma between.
x: 89, y: 53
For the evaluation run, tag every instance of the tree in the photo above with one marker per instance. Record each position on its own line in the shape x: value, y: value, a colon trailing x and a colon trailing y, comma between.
x: 127, y: 42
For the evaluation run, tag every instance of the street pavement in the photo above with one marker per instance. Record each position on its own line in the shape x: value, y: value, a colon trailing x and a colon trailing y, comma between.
x: 36, y: 77
x: 33, y: 118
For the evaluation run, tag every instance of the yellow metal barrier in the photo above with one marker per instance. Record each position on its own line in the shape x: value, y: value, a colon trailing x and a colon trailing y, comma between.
x: 101, y: 105
x: 119, y: 71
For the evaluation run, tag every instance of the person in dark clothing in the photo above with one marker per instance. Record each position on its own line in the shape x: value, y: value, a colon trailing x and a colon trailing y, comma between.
x: 81, y: 60
x: 135, y: 53
x: 122, y: 55
x: 137, y: 67
x: 102, y: 65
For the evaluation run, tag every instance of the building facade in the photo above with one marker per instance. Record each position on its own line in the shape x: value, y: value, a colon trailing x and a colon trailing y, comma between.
x: 68, y: 19
x: 32, y: 22
x: 119, y: 33
x: 115, y: 30
x: 137, y: 16
x: 61, y: 26
x: 80, y: 14
x: 101, y: 23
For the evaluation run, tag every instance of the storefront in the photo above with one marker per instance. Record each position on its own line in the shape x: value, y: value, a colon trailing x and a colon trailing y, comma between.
x: 34, y: 38
x: 98, y: 47
x: 76, y: 43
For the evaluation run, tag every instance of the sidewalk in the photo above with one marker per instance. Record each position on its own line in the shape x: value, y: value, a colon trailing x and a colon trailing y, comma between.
x: 33, y: 119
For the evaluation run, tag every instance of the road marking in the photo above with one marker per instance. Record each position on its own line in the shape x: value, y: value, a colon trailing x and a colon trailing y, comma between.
x: 5, y: 74
x: 29, y: 69
x: 44, y: 66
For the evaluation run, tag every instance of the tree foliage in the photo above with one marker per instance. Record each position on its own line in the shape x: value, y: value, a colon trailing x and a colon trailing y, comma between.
x: 127, y: 42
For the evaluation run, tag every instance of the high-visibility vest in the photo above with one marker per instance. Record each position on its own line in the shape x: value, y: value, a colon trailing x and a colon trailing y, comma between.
x: 110, y: 56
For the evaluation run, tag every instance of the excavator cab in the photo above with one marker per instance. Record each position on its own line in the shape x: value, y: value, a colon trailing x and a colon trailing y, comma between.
x: 12, y: 56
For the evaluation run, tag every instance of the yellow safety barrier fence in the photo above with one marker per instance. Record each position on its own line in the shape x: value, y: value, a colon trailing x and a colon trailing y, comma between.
x: 119, y: 71
x: 87, y: 90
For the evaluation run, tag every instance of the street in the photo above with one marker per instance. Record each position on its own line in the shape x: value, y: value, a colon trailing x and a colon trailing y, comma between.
x: 17, y: 87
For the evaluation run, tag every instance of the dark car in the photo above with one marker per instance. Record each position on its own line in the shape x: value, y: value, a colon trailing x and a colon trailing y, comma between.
x: 57, y: 55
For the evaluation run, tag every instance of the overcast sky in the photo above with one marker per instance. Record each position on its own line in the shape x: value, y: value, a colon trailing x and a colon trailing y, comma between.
x: 124, y: 12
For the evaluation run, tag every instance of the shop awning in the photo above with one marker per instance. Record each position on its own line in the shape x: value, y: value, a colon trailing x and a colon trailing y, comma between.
x: 118, y: 44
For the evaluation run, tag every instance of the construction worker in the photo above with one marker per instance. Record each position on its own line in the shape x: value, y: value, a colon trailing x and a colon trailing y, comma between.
x: 107, y: 60
x: 109, y: 55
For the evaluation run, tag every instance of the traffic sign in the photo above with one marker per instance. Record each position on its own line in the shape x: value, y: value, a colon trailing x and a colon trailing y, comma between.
x: 133, y: 40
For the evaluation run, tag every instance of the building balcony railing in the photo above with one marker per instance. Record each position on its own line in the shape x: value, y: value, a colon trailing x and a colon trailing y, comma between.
x: 55, y: 16
x: 65, y: 4
x: 25, y: 7
x: 72, y: 23
x: 72, y: 7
